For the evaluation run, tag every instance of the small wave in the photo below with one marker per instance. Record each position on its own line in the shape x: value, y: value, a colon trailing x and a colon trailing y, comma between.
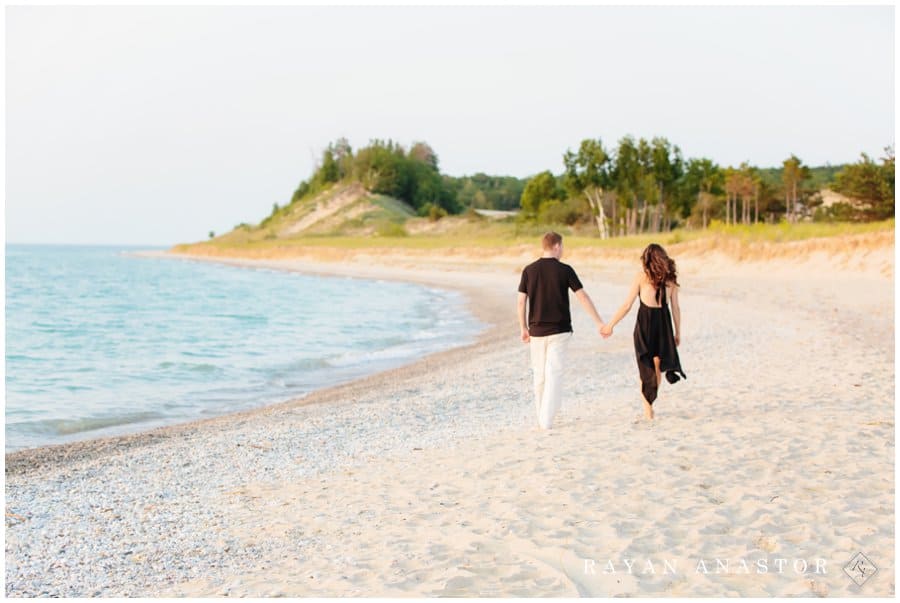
x: 204, y: 354
x: 61, y: 328
x: 290, y: 368
x: 309, y: 363
x: 284, y: 377
x: 426, y: 334
x: 77, y: 388
x: 251, y: 318
x: 24, y: 357
x: 398, y: 352
x: 80, y: 424
x: 199, y: 367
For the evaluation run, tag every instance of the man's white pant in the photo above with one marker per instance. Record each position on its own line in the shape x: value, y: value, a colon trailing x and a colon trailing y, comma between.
x: 548, y: 359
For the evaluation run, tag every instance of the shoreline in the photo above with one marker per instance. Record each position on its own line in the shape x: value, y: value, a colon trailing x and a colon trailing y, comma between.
x: 56, y: 455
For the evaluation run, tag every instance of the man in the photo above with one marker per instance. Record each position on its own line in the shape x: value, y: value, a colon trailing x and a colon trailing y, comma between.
x: 544, y: 286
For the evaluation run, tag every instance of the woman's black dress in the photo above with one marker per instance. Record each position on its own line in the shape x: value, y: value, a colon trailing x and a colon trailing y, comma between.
x: 653, y: 336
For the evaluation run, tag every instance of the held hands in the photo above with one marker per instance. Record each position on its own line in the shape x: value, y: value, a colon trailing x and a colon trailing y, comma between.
x: 605, y: 331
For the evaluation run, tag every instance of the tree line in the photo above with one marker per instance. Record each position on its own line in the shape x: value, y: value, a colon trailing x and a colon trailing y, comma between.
x: 638, y: 186
x: 647, y: 186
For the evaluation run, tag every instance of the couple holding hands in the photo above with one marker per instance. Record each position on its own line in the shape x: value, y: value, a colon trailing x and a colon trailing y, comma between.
x: 544, y: 290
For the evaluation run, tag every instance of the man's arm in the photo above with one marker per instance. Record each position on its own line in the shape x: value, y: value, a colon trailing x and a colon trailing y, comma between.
x: 589, y: 307
x: 520, y: 309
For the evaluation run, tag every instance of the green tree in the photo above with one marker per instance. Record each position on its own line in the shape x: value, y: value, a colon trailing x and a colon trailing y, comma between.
x: 793, y: 175
x: 382, y: 167
x: 627, y: 177
x: 587, y: 174
x: 748, y: 191
x: 667, y: 167
x: 423, y: 153
x: 699, y: 187
x: 566, y: 212
x: 487, y: 192
x: 732, y: 192
x: 329, y: 172
x: 871, y: 183
x: 540, y: 189
x: 343, y: 156
x: 636, y: 182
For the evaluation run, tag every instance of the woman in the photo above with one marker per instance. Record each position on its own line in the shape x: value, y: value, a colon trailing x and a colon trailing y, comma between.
x: 654, y: 342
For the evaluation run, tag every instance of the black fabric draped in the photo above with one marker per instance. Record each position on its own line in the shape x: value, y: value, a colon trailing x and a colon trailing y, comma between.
x: 653, y: 336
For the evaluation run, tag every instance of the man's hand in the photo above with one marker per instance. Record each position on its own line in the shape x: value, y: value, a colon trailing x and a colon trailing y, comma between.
x: 600, y: 327
x: 606, y: 331
x: 526, y: 336
x: 677, y: 340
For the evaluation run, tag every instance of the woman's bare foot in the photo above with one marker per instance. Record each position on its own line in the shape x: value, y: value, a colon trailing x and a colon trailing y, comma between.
x: 648, y: 410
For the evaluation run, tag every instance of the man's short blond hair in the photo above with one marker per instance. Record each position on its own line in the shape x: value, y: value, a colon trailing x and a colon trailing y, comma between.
x: 550, y: 240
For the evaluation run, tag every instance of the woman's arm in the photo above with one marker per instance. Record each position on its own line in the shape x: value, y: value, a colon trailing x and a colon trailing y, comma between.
x: 676, y: 315
x: 633, y: 292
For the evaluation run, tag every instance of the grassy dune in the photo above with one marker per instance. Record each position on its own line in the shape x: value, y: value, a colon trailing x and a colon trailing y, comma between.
x: 501, y: 235
x: 343, y: 220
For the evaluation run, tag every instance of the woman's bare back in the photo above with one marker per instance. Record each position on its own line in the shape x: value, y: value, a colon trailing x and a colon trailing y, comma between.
x: 647, y: 292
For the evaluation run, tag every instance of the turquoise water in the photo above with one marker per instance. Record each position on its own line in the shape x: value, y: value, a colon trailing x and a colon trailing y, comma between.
x: 99, y: 342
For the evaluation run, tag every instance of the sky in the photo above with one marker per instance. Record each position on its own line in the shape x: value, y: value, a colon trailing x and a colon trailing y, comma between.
x: 153, y: 125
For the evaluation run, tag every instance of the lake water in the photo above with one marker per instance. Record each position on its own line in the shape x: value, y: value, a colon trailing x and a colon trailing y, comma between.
x: 100, y: 342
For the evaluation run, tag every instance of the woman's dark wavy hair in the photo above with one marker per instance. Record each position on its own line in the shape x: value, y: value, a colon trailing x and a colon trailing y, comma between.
x: 659, y: 267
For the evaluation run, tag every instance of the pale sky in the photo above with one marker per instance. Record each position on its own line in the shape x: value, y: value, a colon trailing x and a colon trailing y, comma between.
x: 155, y: 125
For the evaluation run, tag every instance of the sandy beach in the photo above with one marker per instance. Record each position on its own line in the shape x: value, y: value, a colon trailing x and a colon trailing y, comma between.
x: 433, y: 480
